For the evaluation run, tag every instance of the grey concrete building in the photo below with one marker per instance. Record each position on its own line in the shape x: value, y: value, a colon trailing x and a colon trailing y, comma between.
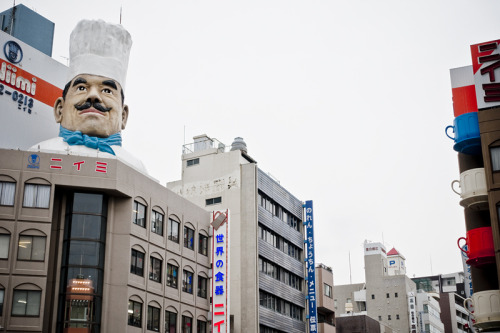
x: 387, y: 296
x: 90, y: 244
x: 267, y: 261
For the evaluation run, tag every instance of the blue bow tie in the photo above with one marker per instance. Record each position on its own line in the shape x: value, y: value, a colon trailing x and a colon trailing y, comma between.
x: 78, y: 139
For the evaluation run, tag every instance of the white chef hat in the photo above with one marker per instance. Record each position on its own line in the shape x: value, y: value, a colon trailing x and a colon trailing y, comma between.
x: 99, y: 48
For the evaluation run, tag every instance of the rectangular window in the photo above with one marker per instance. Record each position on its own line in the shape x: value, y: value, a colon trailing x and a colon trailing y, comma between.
x: 153, y: 319
x: 7, y: 193
x: 397, y: 316
x: 36, y: 195
x: 328, y: 290
x: 155, y: 269
x: 201, y: 327
x: 137, y: 263
x: 187, y: 282
x: 187, y: 324
x: 26, y: 303
x: 31, y: 248
x: 157, y: 223
x: 387, y: 295
x: 172, y: 275
x: 2, y: 294
x: 4, y: 246
x: 173, y: 230
x: 213, y: 201
x: 396, y: 295
x: 388, y: 317
x: 192, y: 162
x: 189, y: 238
x: 202, y: 287
x: 373, y: 296
x: 170, y: 322
x: 135, y: 314
x: 202, y: 244
x: 139, y: 214
x: 495, y: 158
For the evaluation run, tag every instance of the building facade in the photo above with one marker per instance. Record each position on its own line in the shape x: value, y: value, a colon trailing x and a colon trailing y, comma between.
x: 92, y: 245
x: 28, y: 26
x: 325, y: 304
x: 267, y: 236
x: 387, y: 296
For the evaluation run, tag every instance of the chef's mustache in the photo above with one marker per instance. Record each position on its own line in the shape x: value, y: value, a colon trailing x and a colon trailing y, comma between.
x: 88, y: 104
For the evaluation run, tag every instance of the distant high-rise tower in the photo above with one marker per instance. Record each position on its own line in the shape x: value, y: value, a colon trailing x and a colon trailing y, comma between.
x: 28, y: 26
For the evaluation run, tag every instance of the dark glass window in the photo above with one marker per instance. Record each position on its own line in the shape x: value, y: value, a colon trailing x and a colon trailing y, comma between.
x: 202, y: 287
x: 157, y: 223
x: 4, y: 246
x: 173, y: 230
x: 137, y: 263
x: 82, y: 263
x: 189, y: 238
x: 194, y: 161
x: 31, y: 248
x: 172, y: 273
x: 153, y: 319
x: 135, y: 313
x: 187, y: 282
x: 213, y: 201
x: 139, y: 214
x: 155, y: 269
x: 187, y: 324
x: 26, y: 303
x: 201, y: 326
x: 170, y: 322
x: 2, y: 295
x: 202, y: 244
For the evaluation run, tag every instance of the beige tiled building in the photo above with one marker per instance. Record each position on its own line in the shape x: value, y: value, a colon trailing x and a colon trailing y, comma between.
x: 89, y: 244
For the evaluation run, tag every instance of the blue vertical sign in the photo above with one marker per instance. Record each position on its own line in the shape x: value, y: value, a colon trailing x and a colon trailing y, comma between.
x: 310, y: 265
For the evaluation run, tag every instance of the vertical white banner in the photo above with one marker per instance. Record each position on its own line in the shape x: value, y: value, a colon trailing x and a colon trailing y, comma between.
x: 220, y: 271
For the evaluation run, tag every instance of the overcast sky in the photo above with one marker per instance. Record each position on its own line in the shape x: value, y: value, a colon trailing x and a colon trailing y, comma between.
x: 344, y: 102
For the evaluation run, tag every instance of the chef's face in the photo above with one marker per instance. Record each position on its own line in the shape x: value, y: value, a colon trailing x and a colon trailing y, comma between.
x: 93, y: 105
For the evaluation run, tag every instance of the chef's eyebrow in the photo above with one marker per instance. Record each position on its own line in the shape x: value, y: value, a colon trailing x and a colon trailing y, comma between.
x: 110, y: 83
x: 79, y: 80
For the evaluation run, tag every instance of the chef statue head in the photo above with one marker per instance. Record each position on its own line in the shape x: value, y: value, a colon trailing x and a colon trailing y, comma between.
x: 92, y: 106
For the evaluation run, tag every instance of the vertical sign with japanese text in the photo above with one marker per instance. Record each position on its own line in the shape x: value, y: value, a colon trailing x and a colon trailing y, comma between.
x: 485, y: 66
x: 310, y: 266
x: 220, y: 271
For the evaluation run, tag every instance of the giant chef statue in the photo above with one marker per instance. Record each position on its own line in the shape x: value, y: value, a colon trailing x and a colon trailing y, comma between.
x: 91, y: 111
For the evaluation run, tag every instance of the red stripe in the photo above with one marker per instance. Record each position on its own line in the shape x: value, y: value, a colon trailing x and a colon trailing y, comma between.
x: 464, y: 100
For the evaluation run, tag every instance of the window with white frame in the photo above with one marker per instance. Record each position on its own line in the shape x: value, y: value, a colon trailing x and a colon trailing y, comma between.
x: 328, y: 290
x: 36, y: 196
x: 7, y: 193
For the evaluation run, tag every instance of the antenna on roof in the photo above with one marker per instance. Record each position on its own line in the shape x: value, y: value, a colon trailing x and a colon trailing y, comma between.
x: 120, y: 14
